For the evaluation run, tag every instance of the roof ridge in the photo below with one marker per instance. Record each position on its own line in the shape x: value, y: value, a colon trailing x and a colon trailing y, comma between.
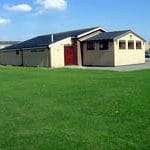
x: 66, y: 31
x: 76, y: 30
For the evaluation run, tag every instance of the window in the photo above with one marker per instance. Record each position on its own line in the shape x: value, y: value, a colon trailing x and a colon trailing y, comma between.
x: 17, y: 52
x: 122, y: 44
x: 103, y: 45
x: 138, y: 45
x: 90, y: 45
x: 130, y: 44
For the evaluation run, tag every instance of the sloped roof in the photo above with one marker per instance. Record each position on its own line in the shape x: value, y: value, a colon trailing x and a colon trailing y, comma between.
x: 45, y: 40
x: 111, y: 35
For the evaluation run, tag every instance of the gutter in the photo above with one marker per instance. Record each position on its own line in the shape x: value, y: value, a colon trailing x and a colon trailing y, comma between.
x: 7, y: 50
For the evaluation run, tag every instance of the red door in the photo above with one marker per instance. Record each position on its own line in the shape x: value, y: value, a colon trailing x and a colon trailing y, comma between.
x: 69, y: 55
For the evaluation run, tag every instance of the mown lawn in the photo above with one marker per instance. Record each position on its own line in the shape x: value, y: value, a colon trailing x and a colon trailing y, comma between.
x: 66, y: 109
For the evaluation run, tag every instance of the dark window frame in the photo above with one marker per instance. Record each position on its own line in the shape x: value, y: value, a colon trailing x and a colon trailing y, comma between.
x: 138, y: 47
x: 122, y: 44
x: 104, y: 45
x: 17, y: 52
x: 131, y: 45
x: 90, y: 45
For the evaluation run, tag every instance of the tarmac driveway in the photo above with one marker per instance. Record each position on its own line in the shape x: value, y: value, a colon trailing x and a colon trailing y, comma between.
x: 120, y: 68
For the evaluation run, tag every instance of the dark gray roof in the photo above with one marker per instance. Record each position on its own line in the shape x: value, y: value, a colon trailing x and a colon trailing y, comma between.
x: 45, y: 40
x: 108, y: 35
x: 111, y: 35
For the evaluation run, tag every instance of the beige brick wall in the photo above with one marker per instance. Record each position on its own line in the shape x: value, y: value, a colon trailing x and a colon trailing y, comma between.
x: 79, y: 45
x: 98, y: 57
x: 10, y: 58
x: 31, y: 58
x: 36, y: 58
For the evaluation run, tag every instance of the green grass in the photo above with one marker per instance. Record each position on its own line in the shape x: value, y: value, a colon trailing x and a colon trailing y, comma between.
x: 66, y: 109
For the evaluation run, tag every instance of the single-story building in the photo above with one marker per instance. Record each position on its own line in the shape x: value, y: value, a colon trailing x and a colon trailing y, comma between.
x: 114, y: 49
x: 147, y: 46
x: 91, y: 46
x: 4, y: 44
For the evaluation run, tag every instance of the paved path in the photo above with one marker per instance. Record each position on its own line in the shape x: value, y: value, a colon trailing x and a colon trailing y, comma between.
x: 120, y: 68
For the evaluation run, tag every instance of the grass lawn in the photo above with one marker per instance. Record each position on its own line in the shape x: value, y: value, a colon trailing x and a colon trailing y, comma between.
x: 69, y: 109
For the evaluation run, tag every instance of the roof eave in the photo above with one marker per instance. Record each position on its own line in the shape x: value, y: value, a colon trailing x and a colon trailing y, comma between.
x: 98, y: 40
x: 6, y: 50
x: 118, y: 37
x: 91, y: 31
x: 52, y: 44
x: 34, y: 48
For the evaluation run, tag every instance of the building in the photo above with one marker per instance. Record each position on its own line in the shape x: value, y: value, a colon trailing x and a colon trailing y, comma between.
x: 147, y: 46
x: 4, y: 44
x: 92, y: 46
x: 114, y: 49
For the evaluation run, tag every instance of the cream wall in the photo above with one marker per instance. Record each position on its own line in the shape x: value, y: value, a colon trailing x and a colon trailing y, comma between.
x: 57, y: 52
x: 36, y: 58
x: 79, y: 57
x: 98, y: 57
x: 10, y: 58
x: 128, y: 57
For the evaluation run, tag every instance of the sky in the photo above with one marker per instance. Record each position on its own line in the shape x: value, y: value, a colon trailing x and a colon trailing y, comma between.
x: 23, y: 19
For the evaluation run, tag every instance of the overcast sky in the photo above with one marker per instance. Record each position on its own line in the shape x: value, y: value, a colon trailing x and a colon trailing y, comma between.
x: 24, y: 19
